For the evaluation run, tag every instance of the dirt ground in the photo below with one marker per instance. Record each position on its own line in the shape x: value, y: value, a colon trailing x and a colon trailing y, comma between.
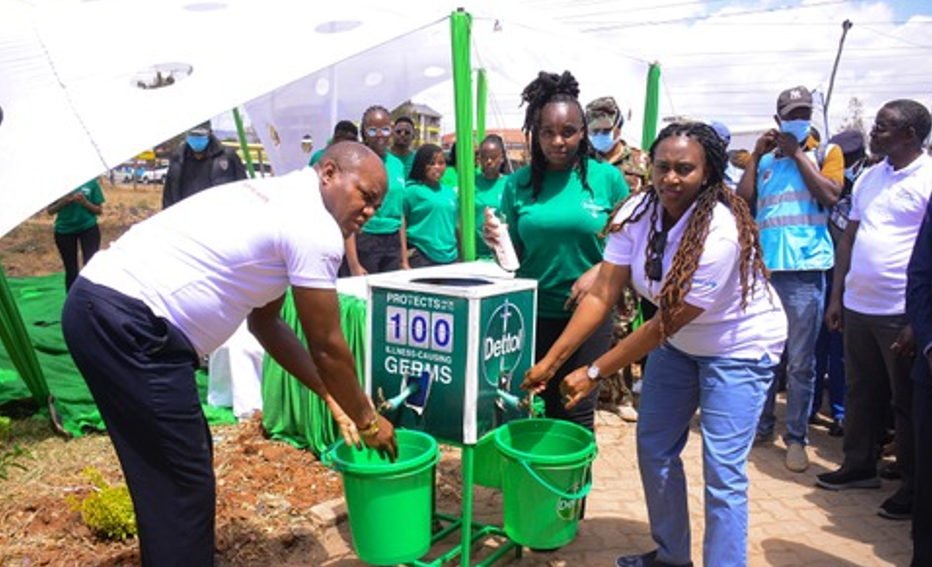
x: 265, y: 488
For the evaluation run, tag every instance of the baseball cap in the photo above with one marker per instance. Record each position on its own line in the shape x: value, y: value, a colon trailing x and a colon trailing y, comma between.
x: 603, y: 113
x: 202, y: 129
x: 791, y: 99
x: 851, y: 143
x: 723, y: 132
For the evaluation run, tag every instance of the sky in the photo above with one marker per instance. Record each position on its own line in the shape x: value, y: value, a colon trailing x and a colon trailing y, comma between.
x: 723, y: 60
x: 728, y: 60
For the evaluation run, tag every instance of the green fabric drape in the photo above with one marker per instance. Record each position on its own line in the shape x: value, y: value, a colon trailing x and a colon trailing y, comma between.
x: 18, y: 346
x: 39, y: 300
x: 651, y: 106
x: 290, y: 411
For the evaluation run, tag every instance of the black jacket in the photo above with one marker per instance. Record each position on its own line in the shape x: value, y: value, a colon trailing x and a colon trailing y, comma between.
x: 188, y: 175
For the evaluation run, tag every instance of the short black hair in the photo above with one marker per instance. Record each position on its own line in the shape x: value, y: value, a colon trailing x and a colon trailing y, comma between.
x: 404, y: 119
x: 346, y: 127
x: 915, y: 115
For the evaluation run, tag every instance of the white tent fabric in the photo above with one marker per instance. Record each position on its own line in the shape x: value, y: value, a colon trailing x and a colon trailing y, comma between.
x: 71, y: 73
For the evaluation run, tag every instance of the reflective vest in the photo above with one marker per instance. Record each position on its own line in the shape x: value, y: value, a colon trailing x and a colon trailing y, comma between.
x: 793, y: 226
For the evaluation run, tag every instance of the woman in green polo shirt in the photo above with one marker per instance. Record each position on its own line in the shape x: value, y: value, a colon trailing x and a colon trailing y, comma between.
x: 431, y: 211
x: 556, y: 208
x: 489, y: 185
x: 76, y: 225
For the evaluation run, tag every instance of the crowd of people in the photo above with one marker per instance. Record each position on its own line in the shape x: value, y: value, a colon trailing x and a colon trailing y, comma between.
x: 727, y: 276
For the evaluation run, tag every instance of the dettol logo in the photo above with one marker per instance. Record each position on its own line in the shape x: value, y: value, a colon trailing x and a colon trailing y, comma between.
x: 503, y: 342
x: 568, y: 509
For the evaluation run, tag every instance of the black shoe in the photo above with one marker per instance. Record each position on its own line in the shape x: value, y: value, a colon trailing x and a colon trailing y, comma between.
x: 837, y: 428
x: 648, y: 559
x: 890, y: 471
x: 893, y: 509
x: 843, y: 480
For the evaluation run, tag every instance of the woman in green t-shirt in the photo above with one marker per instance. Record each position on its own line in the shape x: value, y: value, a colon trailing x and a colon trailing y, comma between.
x: 76, y: 225
x: 556, y: 208
x: 489, y: 185
x: 431, y: 211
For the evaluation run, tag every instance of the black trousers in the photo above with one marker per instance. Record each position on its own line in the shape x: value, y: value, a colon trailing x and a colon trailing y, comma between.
x: 598, y: 343
x: 89, y: 241
x: 379, y: 252
x: 140, y: 370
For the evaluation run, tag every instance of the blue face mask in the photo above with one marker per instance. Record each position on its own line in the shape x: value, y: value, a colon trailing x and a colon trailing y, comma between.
x: 602, y: 141
x: 799, y: 129
x: 198, y: 143
x: 851, y: 173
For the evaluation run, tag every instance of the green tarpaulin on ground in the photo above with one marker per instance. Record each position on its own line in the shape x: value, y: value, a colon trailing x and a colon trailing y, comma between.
x: 40, y: 302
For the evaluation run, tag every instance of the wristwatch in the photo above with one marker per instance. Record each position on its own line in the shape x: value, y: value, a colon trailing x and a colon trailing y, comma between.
x: 593, y: 373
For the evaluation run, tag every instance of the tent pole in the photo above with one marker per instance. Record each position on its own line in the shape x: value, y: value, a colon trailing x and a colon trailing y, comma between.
x: 651, y: 106
x: 482, y: 94
x: 243, y: 144
x: 460, y: 28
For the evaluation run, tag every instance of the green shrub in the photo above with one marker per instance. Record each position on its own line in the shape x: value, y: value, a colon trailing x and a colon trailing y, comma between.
x: 9, y: 458
x: 108, y: 510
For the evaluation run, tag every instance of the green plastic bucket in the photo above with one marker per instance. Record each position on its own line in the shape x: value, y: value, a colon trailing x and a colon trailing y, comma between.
x: 488, y: 462
x: 388, y: 504
x: 546, y: 474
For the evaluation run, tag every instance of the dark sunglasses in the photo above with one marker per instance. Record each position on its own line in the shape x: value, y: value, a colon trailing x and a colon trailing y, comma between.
x: 655, y: 249
x: 403, y: 131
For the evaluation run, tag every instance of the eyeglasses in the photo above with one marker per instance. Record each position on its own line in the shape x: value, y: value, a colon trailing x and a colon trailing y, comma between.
x: 403, y: 132
x: 373, y: 132
x: 656, y: 247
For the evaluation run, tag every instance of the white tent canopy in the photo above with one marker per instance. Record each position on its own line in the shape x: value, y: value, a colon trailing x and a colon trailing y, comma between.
x: 73, y: 75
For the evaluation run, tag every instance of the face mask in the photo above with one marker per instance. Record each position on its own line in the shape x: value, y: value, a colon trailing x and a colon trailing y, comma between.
x: 602, y: 142
x: 799, y: 129
x: 198, y: 143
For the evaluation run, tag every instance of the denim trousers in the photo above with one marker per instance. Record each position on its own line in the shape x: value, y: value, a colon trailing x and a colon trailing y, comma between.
x: 830, y: 367
x: 140, y: 370
x: 729, y: 393
x: 802, y: 295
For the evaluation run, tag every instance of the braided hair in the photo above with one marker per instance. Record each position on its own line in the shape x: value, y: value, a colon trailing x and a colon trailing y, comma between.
x: 678, y: 281
x: 545, y: 89
x: 371, y: 110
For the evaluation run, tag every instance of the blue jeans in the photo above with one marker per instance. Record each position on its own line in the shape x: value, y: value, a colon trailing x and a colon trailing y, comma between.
x: 730, y: 393
x: 830, y: 367
x: 802, y: 295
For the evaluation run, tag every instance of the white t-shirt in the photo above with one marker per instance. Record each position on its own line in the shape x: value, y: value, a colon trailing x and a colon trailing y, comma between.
x: 890, y: 206
x: 723, y: 329
x: 205, y: 263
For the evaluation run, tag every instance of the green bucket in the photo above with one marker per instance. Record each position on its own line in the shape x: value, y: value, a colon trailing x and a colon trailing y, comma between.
x: 389, y: 504
x: 546, y: 474
x: 488, y: 462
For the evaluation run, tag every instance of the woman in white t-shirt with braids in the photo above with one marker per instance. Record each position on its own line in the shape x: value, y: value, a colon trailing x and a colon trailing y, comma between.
x: 690, y: 246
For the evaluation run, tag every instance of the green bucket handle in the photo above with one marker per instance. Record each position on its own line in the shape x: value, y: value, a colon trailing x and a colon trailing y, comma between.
x: 565, y: 495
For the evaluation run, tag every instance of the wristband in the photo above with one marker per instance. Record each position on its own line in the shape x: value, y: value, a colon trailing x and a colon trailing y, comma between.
x: 371, y: 429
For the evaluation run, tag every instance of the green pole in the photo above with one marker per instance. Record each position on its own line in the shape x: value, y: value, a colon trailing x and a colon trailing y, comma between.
x: 460, y: 25
x: 243, y: 144
x: 482, y: 95
x: 651, y: 105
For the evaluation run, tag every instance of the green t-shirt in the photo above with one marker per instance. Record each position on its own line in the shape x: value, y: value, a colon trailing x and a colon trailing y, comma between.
x: 74, y: 217
x: 407, y: 161
x: 432, y: 214
x: 556, y: 235
x: 315, y: 157
x: 450, y: 178
x: 488, y: 194
x: 387, y: 219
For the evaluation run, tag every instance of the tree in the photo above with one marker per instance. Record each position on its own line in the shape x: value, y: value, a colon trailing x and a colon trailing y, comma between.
x: 855, y: 118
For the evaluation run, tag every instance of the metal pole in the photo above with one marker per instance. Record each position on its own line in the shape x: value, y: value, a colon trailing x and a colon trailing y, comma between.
x: 845, y: 26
